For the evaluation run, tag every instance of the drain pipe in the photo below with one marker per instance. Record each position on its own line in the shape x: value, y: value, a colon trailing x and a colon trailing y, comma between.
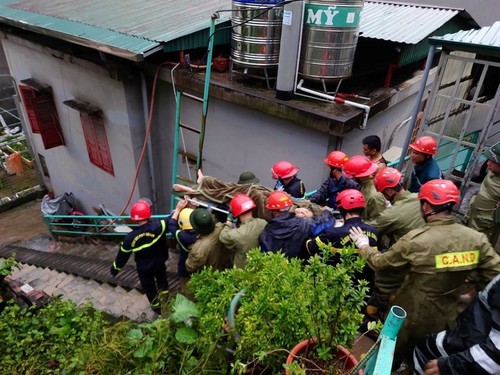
x: 145, y: 106
x: 338, y: 100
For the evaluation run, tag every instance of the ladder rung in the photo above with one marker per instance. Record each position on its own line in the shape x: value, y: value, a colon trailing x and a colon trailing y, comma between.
x: 188, y: 155
x: 184, y: 126
x: 185, y: 179
x: 194, y: 97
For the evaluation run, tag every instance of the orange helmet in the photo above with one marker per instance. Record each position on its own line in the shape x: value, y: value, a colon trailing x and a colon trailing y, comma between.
x: 336, y: 159
x: 425, y: 145
x: 283, y: 169
x: 387, y: 178
x: 350, y: 198
x: 359, y: 166
x: 278, y: 200
x: 438, y: 192
x: 140, y: 211
x: 240, y: 204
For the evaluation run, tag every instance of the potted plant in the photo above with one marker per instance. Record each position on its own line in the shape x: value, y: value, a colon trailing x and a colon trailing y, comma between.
x: 285, y: 302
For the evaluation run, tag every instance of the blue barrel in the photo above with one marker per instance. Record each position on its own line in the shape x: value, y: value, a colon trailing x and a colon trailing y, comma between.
x: 329, y: 38
x: 255, y: 42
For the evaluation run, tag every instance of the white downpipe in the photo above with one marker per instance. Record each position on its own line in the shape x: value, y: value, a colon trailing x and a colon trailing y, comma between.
x: 339, y: 100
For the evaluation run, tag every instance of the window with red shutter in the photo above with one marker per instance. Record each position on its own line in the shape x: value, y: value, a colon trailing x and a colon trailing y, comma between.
x: 94, y: 132
x: 27, y: 96
x: 42, y: 115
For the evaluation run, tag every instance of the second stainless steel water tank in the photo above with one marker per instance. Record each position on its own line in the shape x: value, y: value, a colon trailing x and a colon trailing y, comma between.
x: 329, y: 38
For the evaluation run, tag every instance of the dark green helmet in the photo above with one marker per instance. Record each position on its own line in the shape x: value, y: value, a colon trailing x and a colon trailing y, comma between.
x: 202, y: 221
x: 493, y: 153
x: 248, y: 177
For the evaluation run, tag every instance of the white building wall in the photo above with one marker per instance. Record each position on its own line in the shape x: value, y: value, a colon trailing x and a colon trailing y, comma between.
x: 69, y: 165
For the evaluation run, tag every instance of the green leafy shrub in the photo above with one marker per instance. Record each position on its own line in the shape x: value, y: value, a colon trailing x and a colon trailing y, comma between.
x: 284, y: 302
x: 46, y: 340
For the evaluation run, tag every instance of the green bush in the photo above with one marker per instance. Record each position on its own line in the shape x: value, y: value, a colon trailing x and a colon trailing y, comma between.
x: 49, y: 339
x: 284, y: 302
x: 61, y: 338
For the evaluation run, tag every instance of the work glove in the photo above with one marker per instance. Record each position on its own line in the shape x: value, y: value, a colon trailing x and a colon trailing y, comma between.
x: 113, y: 271
x: 231, y: 218
x: 358, y: 237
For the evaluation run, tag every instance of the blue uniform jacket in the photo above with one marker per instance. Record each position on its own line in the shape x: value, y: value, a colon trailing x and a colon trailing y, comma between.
x: 149, y: 245
x: 327, y: 193
x: 339, y: 238
x: 184, y: 241
x: 428, y: 170
x: 289, y: 233
x: 295, y: 187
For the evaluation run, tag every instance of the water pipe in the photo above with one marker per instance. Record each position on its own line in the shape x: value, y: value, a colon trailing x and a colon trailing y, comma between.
x: 339, y: 100
x: 379, y: 358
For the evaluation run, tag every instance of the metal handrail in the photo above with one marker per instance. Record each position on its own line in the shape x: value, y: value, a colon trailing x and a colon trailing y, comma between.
x: 92, y: 225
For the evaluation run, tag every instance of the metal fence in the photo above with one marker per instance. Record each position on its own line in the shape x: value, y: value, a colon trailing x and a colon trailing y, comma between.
x: 18, y: 176
x: 92, y: 225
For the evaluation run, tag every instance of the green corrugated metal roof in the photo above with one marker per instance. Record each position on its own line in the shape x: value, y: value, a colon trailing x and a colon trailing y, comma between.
x: 127, y: 28
x: 485, y: 40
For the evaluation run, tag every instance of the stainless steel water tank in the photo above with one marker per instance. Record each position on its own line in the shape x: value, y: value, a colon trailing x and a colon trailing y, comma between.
x: 256, y: 33
x: 329, y: 38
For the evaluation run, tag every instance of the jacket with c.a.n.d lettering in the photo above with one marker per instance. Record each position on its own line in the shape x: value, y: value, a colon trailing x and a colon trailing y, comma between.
x: 435, y: 261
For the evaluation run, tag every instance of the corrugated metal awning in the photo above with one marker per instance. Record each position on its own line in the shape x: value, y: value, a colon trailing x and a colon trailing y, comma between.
x: 485, y: 40
x: 132, y: 29
x: 405, y: 23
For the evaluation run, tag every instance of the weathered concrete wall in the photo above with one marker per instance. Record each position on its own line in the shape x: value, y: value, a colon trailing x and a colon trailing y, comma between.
x: 237, y: 138
x: 69, y: 165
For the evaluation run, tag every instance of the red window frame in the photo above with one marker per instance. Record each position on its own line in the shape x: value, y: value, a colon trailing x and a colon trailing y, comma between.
x: 42, y: 115
x: 97, y: 141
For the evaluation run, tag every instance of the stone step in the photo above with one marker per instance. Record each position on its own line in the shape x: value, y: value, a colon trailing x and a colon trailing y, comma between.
x: 115, y: 301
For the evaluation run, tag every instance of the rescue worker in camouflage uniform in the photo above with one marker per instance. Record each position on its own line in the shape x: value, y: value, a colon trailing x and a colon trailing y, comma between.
x: 148, y: 243
x: 362, y: 169
x: 472, y: 346
x: 484, y: 207
x: 425, y: 167
x: 435, y: 261
x: 286, y: 175
x: 404, y: 213
x: 207, y: 251
x: 335, y: 183
x: 243, y: 235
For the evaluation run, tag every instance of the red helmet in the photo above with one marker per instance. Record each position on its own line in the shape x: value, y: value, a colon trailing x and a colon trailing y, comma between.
x: 387, y: 178
x: 283, y: 169
x: 438, y: 192
x: 336, y: 159
x: 278, y: 200
x: 425, y: 145
x: 140, y: 211
x: 359, y: 166
x: 350, y: 198
x: 240, y: 204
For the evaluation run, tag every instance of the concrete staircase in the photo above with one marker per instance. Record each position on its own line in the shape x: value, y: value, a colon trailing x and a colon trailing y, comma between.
x: 113, y: 300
